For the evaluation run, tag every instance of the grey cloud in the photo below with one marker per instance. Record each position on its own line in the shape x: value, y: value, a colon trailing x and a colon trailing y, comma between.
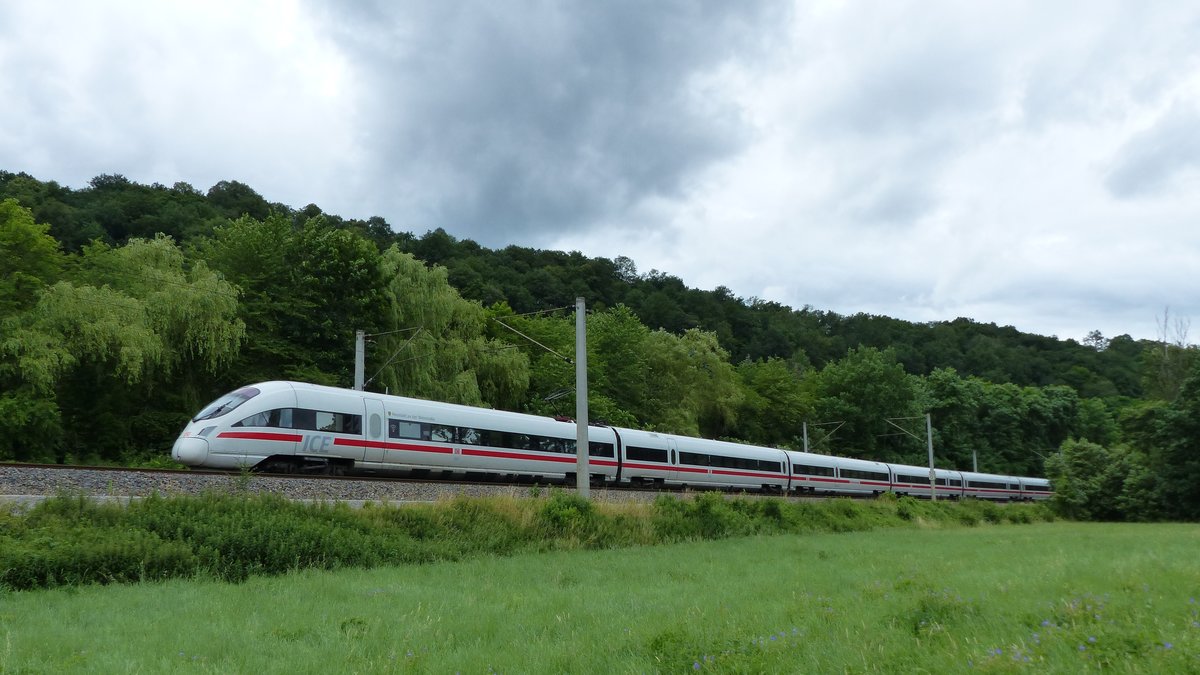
x: 888, y: 198
x: 523, y: 118
x: 1148, y: 162
x: 914, y: 89
x: 902, y: 70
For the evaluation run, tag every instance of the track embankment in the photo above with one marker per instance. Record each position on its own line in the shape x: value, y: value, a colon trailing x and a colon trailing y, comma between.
x: 23, y: 485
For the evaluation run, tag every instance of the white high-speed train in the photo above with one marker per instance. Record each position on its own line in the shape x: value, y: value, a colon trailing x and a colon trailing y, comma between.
x: 289, y: 427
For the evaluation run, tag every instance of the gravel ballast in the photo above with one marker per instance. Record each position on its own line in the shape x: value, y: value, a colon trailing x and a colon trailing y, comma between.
x: 24, y: 485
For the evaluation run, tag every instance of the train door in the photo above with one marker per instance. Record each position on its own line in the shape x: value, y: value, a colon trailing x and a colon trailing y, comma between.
x: 374, y: 430
x: 674, y: 475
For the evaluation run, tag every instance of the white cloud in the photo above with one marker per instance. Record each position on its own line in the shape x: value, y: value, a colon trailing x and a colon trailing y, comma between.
x: 174, y: 91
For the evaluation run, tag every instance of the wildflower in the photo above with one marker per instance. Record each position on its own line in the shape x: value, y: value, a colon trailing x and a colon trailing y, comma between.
x: 997, y: 651
x: 1092, y: 639
x: 1045, y: 622
x: 696, y: 665
x: 1167, y: 645
x: 1082, y: 648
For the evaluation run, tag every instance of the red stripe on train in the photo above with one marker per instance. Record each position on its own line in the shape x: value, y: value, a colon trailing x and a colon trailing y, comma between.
x: 751, y: 474
x: 560, y: 459
x: 498, y: 454
x: 385, y: 445
x: 261, y: 436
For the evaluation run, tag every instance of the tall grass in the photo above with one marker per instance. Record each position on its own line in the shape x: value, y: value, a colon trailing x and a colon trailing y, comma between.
x: 70, y: 540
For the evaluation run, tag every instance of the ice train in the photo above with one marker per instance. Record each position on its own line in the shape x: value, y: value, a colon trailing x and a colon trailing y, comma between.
x: 291, y: 427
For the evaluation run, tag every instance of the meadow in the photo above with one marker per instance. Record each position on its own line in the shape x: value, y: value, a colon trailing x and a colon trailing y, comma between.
x: 998, y: 598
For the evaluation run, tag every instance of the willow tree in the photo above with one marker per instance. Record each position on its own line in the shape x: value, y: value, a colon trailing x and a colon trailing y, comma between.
x: 31, y: 260
x: 29, y: 256
x: 433, y: 344
x: 110, y: 350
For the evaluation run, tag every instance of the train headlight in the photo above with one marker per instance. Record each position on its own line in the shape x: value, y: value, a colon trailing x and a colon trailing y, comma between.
x: 190, y: 450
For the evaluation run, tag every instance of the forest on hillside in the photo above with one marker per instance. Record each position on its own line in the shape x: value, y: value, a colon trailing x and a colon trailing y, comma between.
x: 125, y: 307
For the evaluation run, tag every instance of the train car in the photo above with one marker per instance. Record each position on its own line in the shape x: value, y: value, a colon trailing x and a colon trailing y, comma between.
x: 648, y: 458
x: 854, y: 477
x: 812, y: 473
x: 991, y: 486
x: 706, y: 463
x: 860, y: 476
x: 294, y: 427
x: 914, y: 481
x: 1036, y: 489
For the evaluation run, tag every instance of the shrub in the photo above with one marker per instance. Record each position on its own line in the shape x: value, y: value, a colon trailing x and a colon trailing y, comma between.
x: 567, y: 515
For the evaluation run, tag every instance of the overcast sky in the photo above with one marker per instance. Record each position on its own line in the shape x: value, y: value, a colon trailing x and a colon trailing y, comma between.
x: 1034, y: 164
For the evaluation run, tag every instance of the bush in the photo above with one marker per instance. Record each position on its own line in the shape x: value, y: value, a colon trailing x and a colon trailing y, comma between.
x: 568, y: 516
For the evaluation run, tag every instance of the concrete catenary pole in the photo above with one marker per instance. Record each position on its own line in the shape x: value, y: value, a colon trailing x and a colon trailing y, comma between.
x: 360, y: 359
x: 929, y: 441
x: 582, y: 473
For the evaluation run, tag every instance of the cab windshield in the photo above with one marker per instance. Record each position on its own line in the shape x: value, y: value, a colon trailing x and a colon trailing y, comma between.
x: 226, y: 403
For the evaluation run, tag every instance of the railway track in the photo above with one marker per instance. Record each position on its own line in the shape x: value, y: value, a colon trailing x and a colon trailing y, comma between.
x: 30, y: 482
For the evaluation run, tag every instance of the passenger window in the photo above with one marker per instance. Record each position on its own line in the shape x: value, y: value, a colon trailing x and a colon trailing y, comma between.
x: 262, y: 419
x: 402, y: 429
x: 327, y: 422
x: 304, y: 419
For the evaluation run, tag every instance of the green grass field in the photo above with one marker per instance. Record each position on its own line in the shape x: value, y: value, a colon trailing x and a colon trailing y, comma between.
x: 1051, y: 597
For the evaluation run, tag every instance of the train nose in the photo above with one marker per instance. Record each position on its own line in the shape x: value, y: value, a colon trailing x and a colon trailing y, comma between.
x: 190, y: 450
